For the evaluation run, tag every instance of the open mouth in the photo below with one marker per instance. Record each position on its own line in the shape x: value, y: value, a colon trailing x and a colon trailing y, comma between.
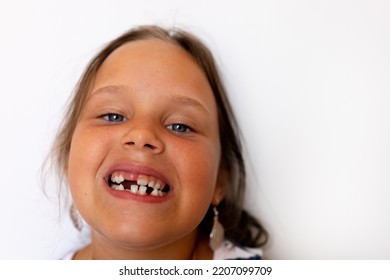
x: 138, y: 184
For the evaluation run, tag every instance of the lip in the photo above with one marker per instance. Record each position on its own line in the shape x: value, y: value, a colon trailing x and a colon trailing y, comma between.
x: 136, y: 169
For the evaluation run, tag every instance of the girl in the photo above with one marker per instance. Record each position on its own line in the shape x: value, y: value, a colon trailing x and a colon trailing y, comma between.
x: 151, y: 154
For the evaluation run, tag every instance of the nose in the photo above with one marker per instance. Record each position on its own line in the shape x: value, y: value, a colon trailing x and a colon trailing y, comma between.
x: 143, y: 137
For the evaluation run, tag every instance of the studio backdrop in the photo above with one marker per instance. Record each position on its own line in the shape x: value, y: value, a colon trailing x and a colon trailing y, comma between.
x: 308, y: 80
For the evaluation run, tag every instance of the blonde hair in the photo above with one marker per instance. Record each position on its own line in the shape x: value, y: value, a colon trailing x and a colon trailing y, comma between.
x: 240, y: 226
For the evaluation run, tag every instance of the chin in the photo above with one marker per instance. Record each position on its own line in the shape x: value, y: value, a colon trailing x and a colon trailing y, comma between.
x: 142, y: 237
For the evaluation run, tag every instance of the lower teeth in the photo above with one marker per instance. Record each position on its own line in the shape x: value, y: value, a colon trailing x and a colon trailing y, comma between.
x: 141, y: 190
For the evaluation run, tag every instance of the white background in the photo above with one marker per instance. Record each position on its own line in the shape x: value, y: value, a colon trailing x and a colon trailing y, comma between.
x: 310, y: 83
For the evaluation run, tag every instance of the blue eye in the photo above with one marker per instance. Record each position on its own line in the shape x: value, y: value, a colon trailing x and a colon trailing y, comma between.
x: 179, y: 128
x: 111, y: 117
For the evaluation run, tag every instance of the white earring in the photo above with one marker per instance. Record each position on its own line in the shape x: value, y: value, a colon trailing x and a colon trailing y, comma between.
x: 76, y: 218
x: 217, y: 233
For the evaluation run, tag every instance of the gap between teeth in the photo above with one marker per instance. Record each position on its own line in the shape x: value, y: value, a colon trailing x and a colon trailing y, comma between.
x: 136, y: 189
x: 140, y: 182
x: 141, y: 187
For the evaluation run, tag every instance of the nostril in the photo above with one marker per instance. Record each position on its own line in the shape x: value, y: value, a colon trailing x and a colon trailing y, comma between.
x: 147, y: 145
x: 154, y: 145
x: 150, y: 146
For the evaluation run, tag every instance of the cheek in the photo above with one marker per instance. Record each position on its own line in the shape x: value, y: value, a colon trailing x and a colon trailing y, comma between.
x: 198, y: 168
x: 199, y: 172
x: 86, y: 153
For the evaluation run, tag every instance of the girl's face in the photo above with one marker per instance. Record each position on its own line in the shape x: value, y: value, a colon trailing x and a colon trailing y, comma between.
x: 144, y: 159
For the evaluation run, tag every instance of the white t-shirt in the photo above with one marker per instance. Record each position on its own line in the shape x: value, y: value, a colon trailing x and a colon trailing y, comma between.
x: 229, y: 251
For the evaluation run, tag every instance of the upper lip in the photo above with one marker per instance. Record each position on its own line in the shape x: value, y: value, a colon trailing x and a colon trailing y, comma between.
x: 136, y: 168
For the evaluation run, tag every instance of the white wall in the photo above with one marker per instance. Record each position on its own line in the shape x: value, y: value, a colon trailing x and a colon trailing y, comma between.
x: 310, y: 81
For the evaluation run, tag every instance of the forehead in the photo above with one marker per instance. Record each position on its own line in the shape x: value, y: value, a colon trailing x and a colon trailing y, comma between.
x: 154, y: 66
x: 151, y: 60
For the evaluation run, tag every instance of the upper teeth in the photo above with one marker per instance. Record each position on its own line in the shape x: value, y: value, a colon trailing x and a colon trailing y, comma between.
x: 117, y: 179
x: 140, y: 188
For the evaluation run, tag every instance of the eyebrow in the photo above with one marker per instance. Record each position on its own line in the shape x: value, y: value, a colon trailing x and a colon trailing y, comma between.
x: 175, y: 99
x: 188, y: 101
x: 108, y: 89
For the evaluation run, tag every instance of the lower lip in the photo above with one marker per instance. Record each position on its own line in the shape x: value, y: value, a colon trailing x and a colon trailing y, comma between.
x: 126, y: 195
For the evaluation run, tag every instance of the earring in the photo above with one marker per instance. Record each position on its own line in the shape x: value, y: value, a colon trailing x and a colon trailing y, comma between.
x: 76, y: 218
x: 217, y: 233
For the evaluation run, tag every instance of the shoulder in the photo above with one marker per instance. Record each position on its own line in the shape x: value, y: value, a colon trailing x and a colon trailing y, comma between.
x: 76, y: 254
x: 229, y: 251
x: 69, y: 255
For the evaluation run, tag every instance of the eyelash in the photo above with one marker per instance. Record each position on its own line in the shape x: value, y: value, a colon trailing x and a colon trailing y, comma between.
x: 108, y: 117
x: 175, y: 127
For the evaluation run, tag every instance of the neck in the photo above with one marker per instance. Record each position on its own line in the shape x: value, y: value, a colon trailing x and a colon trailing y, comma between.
x: 190, y: 247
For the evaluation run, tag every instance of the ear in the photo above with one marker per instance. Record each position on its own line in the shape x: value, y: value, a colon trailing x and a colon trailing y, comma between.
x: 220, y: 187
